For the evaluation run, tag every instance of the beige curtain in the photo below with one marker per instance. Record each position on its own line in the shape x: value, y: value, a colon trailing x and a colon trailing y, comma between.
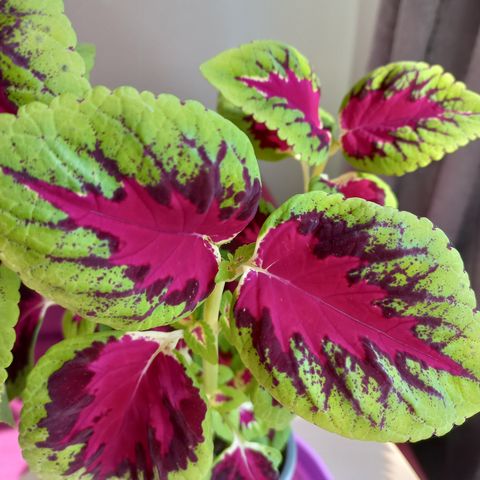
x: 446, y: 32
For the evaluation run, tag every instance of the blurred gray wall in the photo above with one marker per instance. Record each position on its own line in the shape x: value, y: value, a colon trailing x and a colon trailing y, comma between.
x: 158, y: 45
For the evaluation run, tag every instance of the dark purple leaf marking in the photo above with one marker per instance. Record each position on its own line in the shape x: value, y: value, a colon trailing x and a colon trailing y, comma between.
x: 308, y: 288
x: 243, y: 463
x: 131, y: 406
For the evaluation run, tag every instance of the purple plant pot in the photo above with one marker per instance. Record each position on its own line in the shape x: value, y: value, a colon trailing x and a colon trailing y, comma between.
x: 302, y: 463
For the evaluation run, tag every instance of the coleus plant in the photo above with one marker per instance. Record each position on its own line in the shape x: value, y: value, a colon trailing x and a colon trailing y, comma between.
x: 199, y: 318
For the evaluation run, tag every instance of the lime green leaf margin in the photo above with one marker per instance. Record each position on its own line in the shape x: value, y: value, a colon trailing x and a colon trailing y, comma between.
x: 38, y: 59
x: 9, y: 312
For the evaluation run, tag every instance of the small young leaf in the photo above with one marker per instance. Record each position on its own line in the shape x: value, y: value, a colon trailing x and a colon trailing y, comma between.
x: 199, y: 336
x: 38, y: 59
x: 360, y: 318
x: 74, y: 326
x: 270, y: 412
x: 9, y: 313
x: 115, y: 405
x: 226, y: 399
x: 404, y: 115
x: 231, y: 267
x: 357, y: 185
x: 225, y: 314
x: 274, y: 86
x: 248, y: 461
x: 133, y: 195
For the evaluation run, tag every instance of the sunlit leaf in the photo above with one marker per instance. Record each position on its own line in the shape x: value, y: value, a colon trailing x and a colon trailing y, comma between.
x: 133, y: 194
x: 360, y: 318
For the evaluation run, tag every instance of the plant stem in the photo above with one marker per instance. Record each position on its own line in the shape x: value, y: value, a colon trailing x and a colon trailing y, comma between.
x: 306, y: 176
x: 210, y: 316
x: 334, y: 148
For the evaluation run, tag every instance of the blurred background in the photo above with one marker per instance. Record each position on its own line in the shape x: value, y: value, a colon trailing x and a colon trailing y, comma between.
x: 159, y: 45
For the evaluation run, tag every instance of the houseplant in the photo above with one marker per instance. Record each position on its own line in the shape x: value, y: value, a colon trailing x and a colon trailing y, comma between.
x: 194, y: 310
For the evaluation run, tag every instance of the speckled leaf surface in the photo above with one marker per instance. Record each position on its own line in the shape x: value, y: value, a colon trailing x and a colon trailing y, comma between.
x: 38, y: 59
x: 357, y: 185
x: 247, y: 461
x: 9, y: 298
x: 114, y: 207
x: 116, y: 405
x: 267, y: 144
x: 404, y: 115
x: 360, y: 319
x: 279, y: 95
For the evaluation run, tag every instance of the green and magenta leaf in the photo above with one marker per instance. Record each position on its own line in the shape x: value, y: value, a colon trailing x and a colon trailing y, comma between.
x: 133, y: 194
x: 116, y: 405
x: 404, y: 115
x: 279, y: 97
x: 357, y: 185
x: 360, y: 319
x: 38, y: 58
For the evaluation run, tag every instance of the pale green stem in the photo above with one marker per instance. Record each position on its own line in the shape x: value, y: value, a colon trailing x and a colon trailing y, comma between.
x: 319, y: 169
x: 306, y: 176
x: 210, y: 315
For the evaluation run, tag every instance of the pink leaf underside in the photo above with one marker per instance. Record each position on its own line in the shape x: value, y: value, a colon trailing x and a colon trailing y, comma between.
x: 153, y: 230
x: 133, y: 408
x: 308, y: 290
x: 293, y: 94
x: 244, y: 464
x: 370, y: 118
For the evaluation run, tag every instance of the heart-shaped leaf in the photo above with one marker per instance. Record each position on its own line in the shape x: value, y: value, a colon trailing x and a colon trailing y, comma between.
x: 247, y: 461
x: 357, y: 185
x: 9, y: 312
x: 360, y: 319
x: 38, y: 59
x: 132, y: 195
x: 279, y: 95
x: 404, y: 115
x: 114, y: 405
